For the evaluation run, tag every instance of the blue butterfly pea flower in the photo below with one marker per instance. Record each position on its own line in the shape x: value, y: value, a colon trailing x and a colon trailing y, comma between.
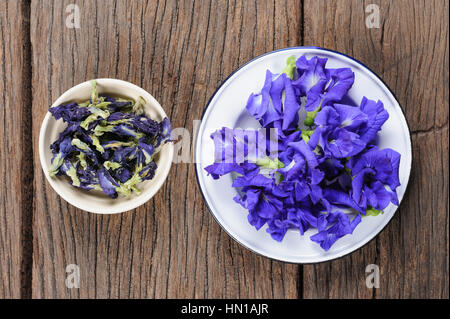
x: 375, y: 178
x: 69, y: 112
x: 341, y: 225
x: 107, y: 182
x: 376, y: 115
x: 318, y: 171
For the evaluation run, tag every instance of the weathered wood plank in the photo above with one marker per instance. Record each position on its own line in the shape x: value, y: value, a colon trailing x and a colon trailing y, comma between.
x: 16, y: 162
x: 179, y: 52
x: 413, y: 251
x: 410, y: 52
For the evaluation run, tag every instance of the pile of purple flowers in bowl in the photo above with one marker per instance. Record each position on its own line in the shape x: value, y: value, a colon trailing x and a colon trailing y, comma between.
x: 320, y: 166
x: 109, y: 144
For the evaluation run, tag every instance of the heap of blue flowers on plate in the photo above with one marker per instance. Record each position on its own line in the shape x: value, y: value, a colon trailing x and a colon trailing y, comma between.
x: 327, y: 172
x: 109, y: 144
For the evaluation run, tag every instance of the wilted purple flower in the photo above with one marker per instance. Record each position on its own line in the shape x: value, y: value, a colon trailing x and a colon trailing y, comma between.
x: 121, y: 154
x: 148, y: 171
x: 117, y: 116
x: 107, y: 183
x: 69, y: 112
x: 147, y: 125
x: 84, y: 148
x: 65, y: 147
x: 68, y: 169
x: 164, y: 133
x: 147, y: 150
x: 119, y: 106
x: 87, y: 176
x: 125, y: 130
x: 109, y: 144
x: 68, y: 131
x: 122, y: 174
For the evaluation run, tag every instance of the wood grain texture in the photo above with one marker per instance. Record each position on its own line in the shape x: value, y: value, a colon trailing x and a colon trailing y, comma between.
x: 179, y: 51
x: 410, y: 52
x: 16, y: 162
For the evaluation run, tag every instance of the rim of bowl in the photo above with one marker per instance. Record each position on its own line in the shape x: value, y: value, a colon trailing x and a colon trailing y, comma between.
x: 197, y: 166
x: 139, y: 199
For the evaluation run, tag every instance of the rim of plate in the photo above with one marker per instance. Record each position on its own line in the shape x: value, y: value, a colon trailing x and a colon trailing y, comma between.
x: 139, y: 200
x: 197, y: 164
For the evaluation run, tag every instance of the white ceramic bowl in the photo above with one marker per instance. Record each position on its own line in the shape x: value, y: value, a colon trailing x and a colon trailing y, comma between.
x: 227, y: 108
x: 96, y: 201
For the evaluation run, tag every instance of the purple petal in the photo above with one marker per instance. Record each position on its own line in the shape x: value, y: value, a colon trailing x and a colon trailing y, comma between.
x: 291, y: 106
x: 376, y: 114
x: 306, y: 151
x: 351, y: 117
x: 218, y: 169
x: 339, y: 83
x: 107, y: 183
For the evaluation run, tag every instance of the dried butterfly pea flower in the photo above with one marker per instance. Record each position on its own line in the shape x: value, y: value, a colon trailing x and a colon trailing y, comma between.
x: 108, y: 145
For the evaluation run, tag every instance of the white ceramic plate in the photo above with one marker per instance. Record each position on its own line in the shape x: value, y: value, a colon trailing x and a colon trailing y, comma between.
x: 227, y: 108
x: 95, y: 201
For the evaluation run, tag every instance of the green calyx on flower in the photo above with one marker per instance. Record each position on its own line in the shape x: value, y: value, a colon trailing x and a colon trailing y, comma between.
x: 310, y: 116
x: 94, y: 94
x: 138, y: 107
x: 130, y: 185
x: 373, y: 212
x: 82, y: 160
x: 96, y: 113
x: 96, y: 143
x: 112, y: 165
x: 80, y: 145
x: 56, y: 164
x: 72, y: 173
x: 306, y: 135
x: 290, y: 67
x: 267, y: 162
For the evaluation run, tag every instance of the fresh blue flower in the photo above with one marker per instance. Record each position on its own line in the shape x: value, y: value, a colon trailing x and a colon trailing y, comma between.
x: 376, y: 114
x: 341, y: 225
x: 317, y: 173
x: 375, y: 178
x: 334, y: 132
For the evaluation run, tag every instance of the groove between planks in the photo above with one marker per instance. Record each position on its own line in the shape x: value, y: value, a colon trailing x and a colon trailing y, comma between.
x: 16, y: 151
x: 27, y: 157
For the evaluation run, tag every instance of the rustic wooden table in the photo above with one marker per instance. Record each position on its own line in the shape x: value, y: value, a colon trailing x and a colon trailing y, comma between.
x: 180, y: 51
